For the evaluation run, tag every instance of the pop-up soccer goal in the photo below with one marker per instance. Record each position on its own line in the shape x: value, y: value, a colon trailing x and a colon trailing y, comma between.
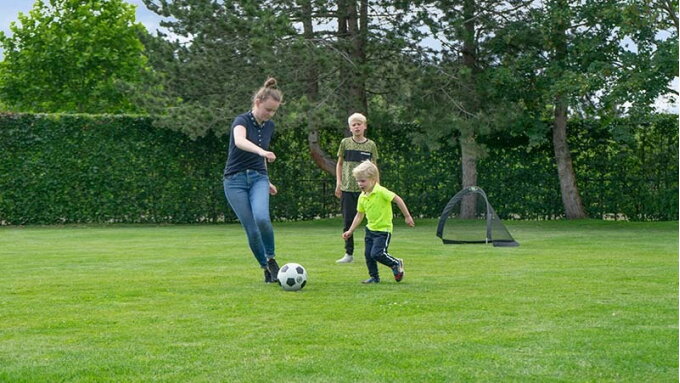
x: 469, y: 218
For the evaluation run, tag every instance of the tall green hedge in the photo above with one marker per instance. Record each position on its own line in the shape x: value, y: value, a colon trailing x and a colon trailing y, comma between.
x: 85, y: 169
x: 623, y: 169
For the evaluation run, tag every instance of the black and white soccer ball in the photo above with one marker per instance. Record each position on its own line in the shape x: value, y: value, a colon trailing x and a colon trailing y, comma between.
x: 292, y: 276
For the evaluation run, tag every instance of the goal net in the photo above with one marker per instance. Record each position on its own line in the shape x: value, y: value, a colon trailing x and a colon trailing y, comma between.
x: 469, y: 218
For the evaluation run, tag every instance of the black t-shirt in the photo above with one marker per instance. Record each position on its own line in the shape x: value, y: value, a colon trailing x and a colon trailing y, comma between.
x: 261, y: 135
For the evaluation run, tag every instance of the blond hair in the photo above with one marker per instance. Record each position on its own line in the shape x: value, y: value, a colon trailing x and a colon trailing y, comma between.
x: 267, y: 91
x: 366, y: 170
x: 356, y: 117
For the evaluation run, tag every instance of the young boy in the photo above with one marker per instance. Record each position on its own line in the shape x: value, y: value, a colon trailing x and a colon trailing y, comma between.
x: 352, y: 151
x: 376, y: 204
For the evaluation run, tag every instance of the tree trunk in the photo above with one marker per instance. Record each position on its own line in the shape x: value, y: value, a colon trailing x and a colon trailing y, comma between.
x: 571, y: 199
x: 468, y: 150
x: 359, y: 32
x: 352, y: 39
x: 321, y: 159
x: 468, y: 144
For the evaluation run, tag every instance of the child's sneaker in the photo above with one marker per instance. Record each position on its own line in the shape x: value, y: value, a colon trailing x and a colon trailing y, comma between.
x: 398, y: 270
x: 346, y: 259
x: 371, y: 280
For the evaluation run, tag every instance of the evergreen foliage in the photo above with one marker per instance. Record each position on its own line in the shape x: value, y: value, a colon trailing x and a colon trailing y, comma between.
x: 84, y: 168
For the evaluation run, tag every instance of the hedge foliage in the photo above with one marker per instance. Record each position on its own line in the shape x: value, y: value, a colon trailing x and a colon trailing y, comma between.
x: 101, y: 169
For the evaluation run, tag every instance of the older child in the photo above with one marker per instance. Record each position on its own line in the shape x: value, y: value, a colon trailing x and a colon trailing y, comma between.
x: 375, y: 202
x: 352, y: 151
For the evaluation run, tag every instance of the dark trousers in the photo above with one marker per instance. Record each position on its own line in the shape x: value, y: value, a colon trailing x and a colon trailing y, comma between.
x: 376, y: 251
x: 348, y: 203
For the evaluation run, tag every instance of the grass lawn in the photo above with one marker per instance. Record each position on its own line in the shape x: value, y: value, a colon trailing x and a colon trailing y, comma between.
x: 586, y: 301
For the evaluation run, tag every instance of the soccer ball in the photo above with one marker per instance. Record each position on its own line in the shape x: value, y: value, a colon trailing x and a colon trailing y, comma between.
x: 292, y: 276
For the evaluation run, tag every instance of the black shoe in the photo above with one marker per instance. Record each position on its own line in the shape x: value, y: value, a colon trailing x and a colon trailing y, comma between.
x: 398, y: 270
x: 268, y: 277
x: 371, y: 280
x: 273, y: 268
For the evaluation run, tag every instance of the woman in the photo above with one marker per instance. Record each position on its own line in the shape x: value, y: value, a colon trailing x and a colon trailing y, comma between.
x: 246, y: 181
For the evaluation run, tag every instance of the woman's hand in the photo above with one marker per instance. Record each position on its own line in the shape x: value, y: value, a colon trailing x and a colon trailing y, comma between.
x: 272, y: 188
x: 269, y: 156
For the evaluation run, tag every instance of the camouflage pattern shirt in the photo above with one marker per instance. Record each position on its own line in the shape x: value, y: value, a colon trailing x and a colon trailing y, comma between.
x: 353, y: 153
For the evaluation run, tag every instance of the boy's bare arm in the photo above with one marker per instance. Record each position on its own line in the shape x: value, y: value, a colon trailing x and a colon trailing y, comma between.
x: 404, y: 210
x: 338, y: 177
x: 357, y: 220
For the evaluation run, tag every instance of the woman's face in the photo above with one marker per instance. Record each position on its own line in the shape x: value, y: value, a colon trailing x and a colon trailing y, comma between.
x: 265, y: 110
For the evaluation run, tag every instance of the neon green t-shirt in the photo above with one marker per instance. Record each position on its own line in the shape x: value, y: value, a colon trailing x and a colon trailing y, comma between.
x: 378, y: 208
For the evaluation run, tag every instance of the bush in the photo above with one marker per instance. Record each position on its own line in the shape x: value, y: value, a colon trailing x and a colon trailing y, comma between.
x: 101, y: 169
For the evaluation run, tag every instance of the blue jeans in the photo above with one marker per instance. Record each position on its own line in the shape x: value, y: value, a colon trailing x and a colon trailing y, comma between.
x: 248, y: 194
